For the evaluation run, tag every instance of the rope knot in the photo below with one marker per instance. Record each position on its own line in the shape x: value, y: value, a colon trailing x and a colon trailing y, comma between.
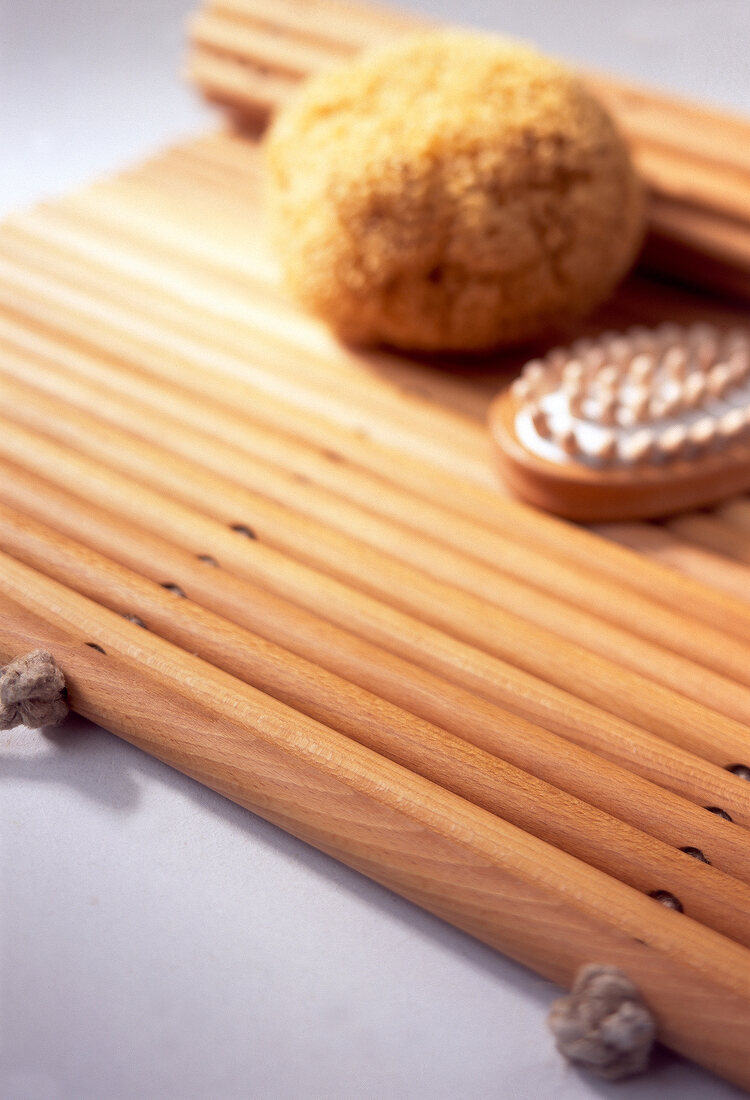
x: 603, y: 1024
x: 32, y: 692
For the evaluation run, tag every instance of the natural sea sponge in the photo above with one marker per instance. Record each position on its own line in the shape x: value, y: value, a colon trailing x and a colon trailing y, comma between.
x: 453, y: 191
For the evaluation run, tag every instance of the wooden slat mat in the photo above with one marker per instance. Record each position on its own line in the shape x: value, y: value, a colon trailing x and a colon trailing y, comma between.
x: 176, y: 246
x: 151, y: 366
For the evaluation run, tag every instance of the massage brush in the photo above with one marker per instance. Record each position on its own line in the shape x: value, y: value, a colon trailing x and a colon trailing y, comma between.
x: 643, y: 423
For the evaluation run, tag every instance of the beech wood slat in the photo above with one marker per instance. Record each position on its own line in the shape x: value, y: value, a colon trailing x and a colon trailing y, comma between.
x: 272, y: 366
x: 717, y: 900
x: 737, y: 513
x: 304, y: 466
x: 711, y: 648
x: 521, y: 522
x: 345, y: 562
x: 723, y: 574
x: 289, y: 56
x: 250, y: 300
x: 690, y: 129
x: 713, y: 533
x: 416, y: 690
x: 537, y: 904
x: 326, y: 22
x: 484, y: 675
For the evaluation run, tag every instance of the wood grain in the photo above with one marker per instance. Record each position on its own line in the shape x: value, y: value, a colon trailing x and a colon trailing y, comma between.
x: 59, y: 376
x: 492, y: 679
x: 511, y: 519
x: 631, y: 855
x: 463, y: 552
x: 325, y: 568
x: 589, y: 775
x: 721, y: 573
x: 535, y: 903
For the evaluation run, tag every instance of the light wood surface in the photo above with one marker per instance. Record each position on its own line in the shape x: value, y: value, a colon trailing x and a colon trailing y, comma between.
x: 327, y: 568
x: 112, y: 334
x: 306, y: 480
x: 342, y: 581
x: 618, y: 790
x: 715, y: 533
x: 531, y: 697
x: 666, y: 546
x: 631, y: 855
x: 65, y: 377
x: 513, y: 891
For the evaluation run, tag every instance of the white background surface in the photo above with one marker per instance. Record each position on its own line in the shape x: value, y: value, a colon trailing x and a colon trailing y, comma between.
x: 157, y: 942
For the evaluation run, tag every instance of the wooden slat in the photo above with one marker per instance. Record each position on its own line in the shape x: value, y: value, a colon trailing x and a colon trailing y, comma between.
x: 115, y: 279
x: 532, y: 748
x: 537, y: 904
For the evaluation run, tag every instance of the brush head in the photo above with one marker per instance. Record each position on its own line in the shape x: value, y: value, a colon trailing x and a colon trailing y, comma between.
x: 634, y: 424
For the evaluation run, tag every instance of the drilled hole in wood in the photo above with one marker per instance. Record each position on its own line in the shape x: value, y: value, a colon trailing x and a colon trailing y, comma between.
x: 174, y: 588
x: 98, y: 648
x: 208, y: 560
x: 669, y: 901
x: 696, y: 853
x: 719, y: 812
x: 741, y: 770
x: 242, y: 529
x: 136, y: 619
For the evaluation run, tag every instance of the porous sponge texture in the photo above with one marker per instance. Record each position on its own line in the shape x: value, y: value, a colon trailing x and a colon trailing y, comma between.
x: 455, y: 191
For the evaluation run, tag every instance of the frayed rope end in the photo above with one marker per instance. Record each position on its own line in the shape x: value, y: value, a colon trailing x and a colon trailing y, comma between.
x: 603, y: 1024
x: 32, y: 692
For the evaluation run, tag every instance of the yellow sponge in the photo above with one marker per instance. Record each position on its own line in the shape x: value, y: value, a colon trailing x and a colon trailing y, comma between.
x: 453, y: 191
